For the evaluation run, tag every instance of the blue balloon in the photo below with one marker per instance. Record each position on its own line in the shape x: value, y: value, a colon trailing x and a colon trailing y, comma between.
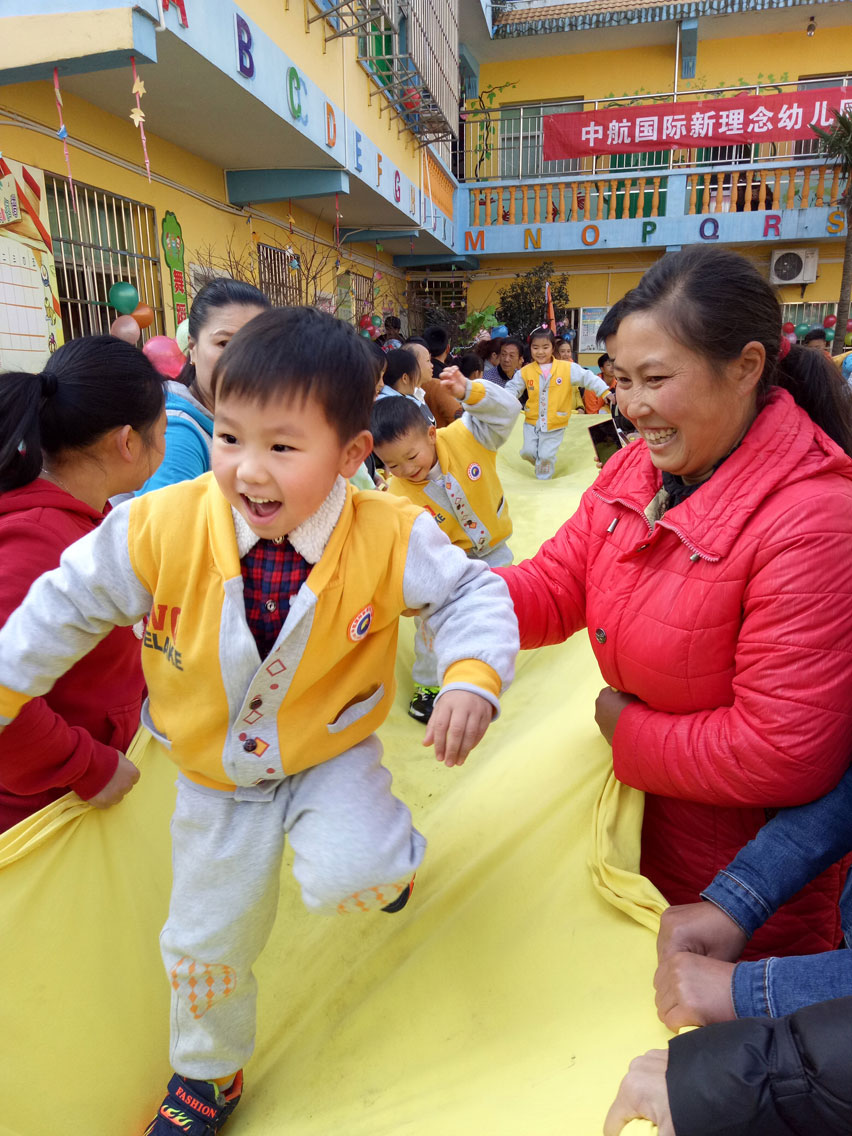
x: 570, y: 334
x: 499, y: 332
x: 846, y: 368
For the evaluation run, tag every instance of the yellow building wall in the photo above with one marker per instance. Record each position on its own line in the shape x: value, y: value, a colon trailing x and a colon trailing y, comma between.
x: 334, y: 68
x: 598, y: 280
x: 180, y: 179
x: 647, y: 69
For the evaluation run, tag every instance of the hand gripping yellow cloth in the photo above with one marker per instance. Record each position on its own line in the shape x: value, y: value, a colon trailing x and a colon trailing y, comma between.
x: 506, y: 1000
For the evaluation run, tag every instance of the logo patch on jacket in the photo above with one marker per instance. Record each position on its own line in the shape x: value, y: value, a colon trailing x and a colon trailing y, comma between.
x: 474, y: 471
x: 559, y: 380
x: 360, y: 625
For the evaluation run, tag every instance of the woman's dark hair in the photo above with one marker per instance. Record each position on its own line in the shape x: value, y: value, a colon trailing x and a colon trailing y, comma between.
x: 89, y: 387
x: 470, y: 364
x: 301, y: 353
x: 217, y: 294
x: 610, y: 322
x: 401, y: 363
x: 392, y: 418
x: 714, y: 302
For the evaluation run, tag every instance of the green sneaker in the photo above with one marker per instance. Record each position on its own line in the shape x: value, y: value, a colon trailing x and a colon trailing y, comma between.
x: 423, y: 702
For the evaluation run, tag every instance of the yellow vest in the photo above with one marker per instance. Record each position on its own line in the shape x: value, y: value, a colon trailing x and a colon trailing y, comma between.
x: 474, y: 470
x: 560, y: 397
x: 183, y: 549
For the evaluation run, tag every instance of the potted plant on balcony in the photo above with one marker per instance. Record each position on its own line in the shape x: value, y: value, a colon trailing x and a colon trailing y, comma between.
x: 836, y: 146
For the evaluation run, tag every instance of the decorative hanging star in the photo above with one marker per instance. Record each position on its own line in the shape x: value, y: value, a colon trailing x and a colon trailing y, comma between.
x: 137, y: 115
x: 138, y: 87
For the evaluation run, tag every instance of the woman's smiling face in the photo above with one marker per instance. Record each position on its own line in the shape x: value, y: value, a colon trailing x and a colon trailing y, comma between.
x: 690, y: 410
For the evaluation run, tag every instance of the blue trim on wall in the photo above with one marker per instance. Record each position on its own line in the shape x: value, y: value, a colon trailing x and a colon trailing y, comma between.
x: 257, y: 186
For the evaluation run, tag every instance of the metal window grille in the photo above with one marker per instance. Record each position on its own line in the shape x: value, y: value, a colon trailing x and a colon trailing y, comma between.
x: 811, y: 314
x: 522, y: 138
x: 107, y: 239
x: 363, y: 294
x: 438, y: 301
x: 276, y: 278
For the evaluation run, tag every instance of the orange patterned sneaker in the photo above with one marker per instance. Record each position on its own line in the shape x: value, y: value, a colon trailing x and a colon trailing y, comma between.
x: 195, y: 1108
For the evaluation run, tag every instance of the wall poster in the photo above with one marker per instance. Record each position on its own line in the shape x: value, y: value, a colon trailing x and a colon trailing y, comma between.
x: 30, y: 322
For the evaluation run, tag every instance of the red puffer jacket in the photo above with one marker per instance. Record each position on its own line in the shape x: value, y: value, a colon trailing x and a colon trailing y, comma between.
x: 69, y: 738
x: 731, y: 621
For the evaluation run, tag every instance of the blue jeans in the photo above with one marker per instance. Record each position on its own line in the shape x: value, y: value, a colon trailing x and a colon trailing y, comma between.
x: 788, y: 852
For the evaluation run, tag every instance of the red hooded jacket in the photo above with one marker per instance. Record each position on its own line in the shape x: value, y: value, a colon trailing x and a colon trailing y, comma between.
x: 70, y: 738
x: 731, y: 622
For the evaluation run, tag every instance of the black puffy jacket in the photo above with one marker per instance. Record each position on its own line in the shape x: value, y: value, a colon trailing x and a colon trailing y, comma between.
x: 765, y: 1076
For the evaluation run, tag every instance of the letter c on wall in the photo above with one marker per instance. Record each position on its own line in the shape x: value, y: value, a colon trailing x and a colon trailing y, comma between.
x: 294, y: 85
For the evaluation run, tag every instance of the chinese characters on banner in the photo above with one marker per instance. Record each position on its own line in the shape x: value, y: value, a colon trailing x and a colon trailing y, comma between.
x: 686, y: 126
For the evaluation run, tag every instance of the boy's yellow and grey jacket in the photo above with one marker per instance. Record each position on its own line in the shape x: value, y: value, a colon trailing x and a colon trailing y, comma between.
x: 228, y: 717
x: 467, y: 499
x: 551, y: 401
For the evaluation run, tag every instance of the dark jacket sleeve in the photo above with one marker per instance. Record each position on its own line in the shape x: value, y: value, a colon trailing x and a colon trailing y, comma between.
x: 757, y: 1077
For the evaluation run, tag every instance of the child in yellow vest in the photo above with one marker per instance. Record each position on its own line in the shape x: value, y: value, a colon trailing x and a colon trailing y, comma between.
x: 453, y: 474
x: 273, y: 592
x: 549, y: 385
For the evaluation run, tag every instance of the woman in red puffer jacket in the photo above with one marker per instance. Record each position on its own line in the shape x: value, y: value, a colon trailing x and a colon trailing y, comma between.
x: 712, y: 564
x: 89, y: 427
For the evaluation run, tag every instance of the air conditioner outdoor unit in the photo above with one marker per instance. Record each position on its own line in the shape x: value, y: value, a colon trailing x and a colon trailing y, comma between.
x: 794, y: 266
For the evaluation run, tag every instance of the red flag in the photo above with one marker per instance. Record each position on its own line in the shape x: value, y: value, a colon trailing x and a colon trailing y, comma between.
x: 551, y: 317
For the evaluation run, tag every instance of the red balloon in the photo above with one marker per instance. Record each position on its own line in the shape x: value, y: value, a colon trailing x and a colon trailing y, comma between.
x: 829, y: 321
x: 164, y: 353
x: 849, y: 325
x: 365, y: 321
x: 788, y: 327
x: 126, y: 328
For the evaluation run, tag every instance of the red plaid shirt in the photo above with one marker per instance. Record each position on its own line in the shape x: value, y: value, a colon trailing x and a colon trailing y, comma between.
x: 272, y: 575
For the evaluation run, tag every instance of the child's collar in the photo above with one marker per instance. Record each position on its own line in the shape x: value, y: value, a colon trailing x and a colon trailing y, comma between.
x: 310, y: 537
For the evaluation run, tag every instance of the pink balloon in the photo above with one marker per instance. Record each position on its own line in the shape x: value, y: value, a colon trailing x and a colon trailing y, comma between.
x: 164, y: 353
x: 126, y: 328
x: 830, y: 321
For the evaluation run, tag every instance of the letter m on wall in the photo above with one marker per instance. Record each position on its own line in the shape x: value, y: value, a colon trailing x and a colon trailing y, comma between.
x: 472, y: 242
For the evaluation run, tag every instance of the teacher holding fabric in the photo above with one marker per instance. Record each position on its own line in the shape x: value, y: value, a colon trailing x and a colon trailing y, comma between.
x: 711, y: 562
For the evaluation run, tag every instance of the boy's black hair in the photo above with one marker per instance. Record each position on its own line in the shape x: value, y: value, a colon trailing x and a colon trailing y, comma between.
x: 400, y: 363
x: 437, y: 340
x: 815, y: 333
x: 302, y: 353
x: 416, y: 339
x: 470, y: 364
x: 395, y: 416
x: 603, y: 359
x: 393, y: 323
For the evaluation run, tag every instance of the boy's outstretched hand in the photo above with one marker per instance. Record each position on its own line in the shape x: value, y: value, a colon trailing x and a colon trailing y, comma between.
x: 454, y: 381
x: 458, y: 723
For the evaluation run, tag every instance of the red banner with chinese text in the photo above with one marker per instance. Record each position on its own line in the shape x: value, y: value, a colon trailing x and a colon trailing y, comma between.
x: 689, y: 125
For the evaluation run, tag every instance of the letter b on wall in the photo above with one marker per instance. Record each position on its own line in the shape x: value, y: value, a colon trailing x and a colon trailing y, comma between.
x: 245, y: 60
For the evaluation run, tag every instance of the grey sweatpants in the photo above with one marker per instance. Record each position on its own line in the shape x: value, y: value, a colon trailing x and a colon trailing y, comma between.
x: 354, y: 850
x: 540, y: 448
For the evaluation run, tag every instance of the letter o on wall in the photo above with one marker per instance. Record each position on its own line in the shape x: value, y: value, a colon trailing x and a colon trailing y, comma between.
x: 708, y: 230
x: 590, y: 235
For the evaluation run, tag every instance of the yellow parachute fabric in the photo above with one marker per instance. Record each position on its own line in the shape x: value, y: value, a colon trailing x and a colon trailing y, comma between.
x: 506, y: 1000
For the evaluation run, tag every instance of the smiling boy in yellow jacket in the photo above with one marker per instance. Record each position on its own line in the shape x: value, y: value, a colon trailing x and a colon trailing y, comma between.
x: 273, y: 593
x: 452, y: 473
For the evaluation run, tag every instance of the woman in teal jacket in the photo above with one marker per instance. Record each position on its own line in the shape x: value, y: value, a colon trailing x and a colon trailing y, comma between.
x: 218, y: 312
